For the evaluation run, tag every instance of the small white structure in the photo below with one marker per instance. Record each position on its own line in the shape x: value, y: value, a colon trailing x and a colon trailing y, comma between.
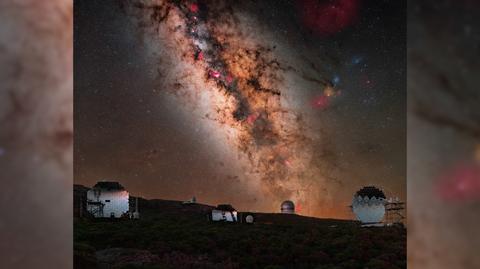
x: 368, y: 205
x: 136, y: 214
x: 224, y: 213
x: 107, y: 199
x: 191, y: 201
x: 287, y: 207
x: 249, y: 219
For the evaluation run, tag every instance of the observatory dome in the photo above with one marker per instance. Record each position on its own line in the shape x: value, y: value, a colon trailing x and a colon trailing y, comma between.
x: 288, y: 207
x: 370, y: 191
x: 249, y: 219
x: 368, y: 204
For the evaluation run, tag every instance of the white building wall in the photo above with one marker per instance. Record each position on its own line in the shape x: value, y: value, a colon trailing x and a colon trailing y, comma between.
x: 219, y: 215
x: 115, y: 201
x: 288, y: 211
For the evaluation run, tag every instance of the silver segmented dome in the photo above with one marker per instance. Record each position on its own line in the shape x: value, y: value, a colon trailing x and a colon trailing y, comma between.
x: 288, y: 207
x: 369, y: 205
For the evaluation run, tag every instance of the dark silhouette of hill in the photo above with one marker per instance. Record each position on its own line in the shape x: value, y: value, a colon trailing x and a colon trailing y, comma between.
x: 171, y: 234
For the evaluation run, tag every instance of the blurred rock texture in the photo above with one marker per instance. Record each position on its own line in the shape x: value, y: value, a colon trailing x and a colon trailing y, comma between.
x: 36, y: 133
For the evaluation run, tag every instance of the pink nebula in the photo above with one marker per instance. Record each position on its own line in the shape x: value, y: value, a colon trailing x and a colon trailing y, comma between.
x: 193, y: 7
x: 214, y: 74
x: 252, y: 118
x: 321, y: 102
x: 459, y: 184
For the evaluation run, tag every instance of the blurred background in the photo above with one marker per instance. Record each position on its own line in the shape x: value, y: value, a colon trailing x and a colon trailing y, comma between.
x: 36, y: 133
x: 443, y: 175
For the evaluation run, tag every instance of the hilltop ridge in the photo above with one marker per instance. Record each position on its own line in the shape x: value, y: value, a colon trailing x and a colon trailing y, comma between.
x: 171, y: 234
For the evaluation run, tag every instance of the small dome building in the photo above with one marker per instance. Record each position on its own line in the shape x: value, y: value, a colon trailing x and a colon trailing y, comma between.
x: 287, y: 207
x: 249, y: 219
x: 368, y: 205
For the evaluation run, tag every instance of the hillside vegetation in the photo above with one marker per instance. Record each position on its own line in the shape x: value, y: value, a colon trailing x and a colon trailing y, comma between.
x: 172, y: 235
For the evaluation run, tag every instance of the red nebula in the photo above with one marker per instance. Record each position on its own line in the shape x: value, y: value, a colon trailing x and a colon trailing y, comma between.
x: 462, y: 183
x: 321, y: 102
x: 229, y: 79
x: 252, y: 118
x: 298, y: 208
x: 326, y: 17
x: 193, y: 7
x: 214, y: 74
x: 200, y: 56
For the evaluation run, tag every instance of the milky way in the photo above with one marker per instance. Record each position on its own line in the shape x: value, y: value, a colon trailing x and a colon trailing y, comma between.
x: 267, y: 114
x: 246, y: 86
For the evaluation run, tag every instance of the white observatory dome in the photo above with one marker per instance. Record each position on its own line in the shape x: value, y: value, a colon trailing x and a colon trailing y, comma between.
x: 288, y: 207
x: 368, y: 205
x: 249, y: 219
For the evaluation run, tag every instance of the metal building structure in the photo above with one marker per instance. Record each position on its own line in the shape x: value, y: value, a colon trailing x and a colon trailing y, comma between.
x: 394, y: 211
x: 107, y: 199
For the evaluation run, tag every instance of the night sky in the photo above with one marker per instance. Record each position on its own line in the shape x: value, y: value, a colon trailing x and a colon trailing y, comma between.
x: 242, y: 102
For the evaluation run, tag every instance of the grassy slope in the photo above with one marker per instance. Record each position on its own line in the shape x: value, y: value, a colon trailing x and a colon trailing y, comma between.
x: 184, y: 239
